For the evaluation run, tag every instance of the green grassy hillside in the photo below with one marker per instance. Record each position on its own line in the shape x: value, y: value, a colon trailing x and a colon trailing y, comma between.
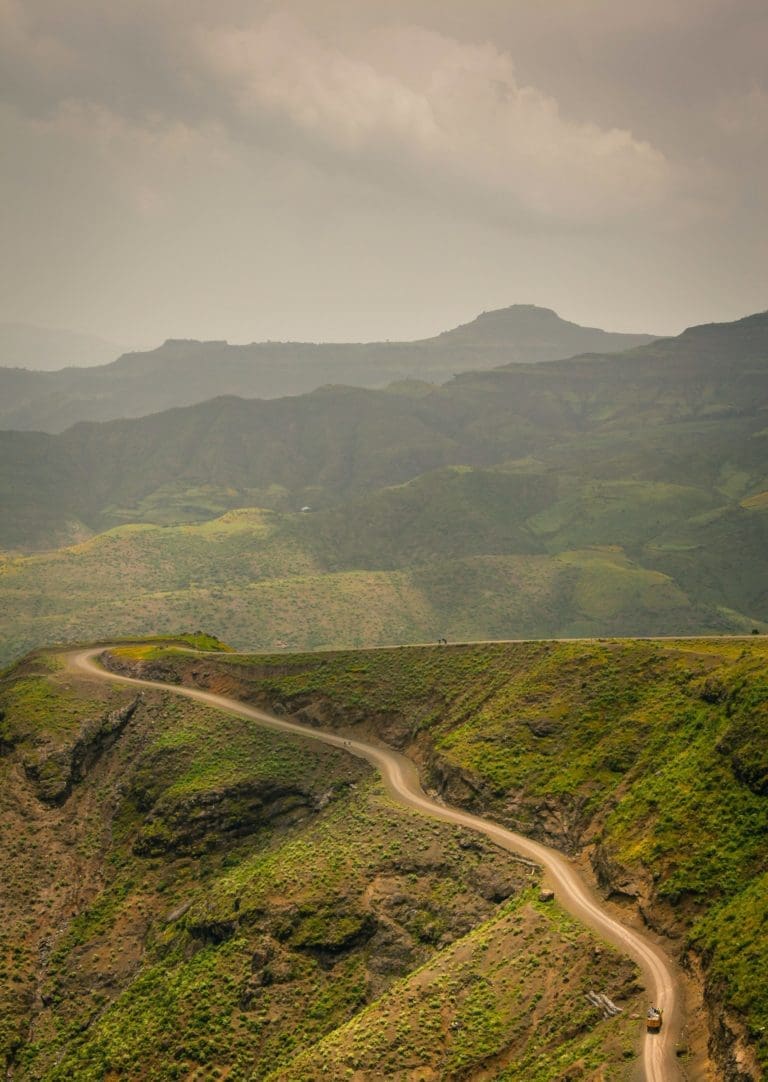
x: 391, y: 572
x: 648, y: 758
x: 187, y: 896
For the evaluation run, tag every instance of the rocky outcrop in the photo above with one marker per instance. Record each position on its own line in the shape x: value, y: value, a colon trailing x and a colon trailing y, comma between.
x: 209, y: 819
x: 329, y: 934
x: 323, y: 713
x: 7, y: 744
x: 561, y: 820
x: 163, y: 672
x: 729, y: 1047
x: 744, y: 745
x: 616, y: 881
x: 543, y: 726
x: 54, y: 769
x: 452, y: 782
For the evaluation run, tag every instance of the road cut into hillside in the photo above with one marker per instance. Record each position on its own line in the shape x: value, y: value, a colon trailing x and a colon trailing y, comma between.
x: 401, y: 778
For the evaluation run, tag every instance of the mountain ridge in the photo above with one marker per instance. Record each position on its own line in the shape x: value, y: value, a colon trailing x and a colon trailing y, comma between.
x: 340, y: 440
x: 186, y: 371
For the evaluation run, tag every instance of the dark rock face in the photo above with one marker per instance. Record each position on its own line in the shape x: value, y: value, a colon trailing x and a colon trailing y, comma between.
x: 745, y: 744
x: 153, y: 670
x: 210, y: 931
x: 560, y: 821
x: 207, y: 820
x: 264, y: 952
x: 328, y: 935
x: 714, y: 691
x: 750, y: 771
x: 6, y: 745
x: 495, y: 886
x: 392, y: 951
x: 615, y: 880
x: 456, y: 784
x: 728, y: 1049
x: 320, y: 712
x: 55, y: 770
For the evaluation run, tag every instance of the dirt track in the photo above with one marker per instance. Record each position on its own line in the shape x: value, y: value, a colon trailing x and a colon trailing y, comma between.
x: 574, y: 895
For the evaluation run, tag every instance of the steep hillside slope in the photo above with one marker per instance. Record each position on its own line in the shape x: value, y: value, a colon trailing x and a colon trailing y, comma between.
x: 182, y: 372
x: 647, y: 759
x: 189, y: 896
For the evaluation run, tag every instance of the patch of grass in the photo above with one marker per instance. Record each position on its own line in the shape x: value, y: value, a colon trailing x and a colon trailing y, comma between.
x: 39, y: 701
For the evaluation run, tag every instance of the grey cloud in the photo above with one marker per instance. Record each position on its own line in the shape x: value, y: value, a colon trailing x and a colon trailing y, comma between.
x: 288, y: 167
x: 402, y: 103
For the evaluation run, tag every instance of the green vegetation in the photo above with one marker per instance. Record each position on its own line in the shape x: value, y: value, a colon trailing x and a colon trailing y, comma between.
x: 620, y: 494
x: 216, y: 900
x: 40, y: 703
x: 259, y: 578
x: 493, y: 1002
x: 185, y: 888
x: 652, y: 754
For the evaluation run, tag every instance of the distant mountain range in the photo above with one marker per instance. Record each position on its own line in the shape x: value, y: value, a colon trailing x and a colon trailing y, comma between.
x: 604, y: 494
x: 667, y: 409
x: 47, y: 348
x: 184, y: 372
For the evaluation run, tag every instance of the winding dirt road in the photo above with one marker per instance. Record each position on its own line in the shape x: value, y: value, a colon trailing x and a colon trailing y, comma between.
x: 573, y: 893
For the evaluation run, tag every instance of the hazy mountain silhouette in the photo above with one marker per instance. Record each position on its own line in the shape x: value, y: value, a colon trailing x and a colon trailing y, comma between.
x: 679, y: 409
x: 183, y: 372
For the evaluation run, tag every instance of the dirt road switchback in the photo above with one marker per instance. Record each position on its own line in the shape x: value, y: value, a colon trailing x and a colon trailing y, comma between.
x: 659, y: 1061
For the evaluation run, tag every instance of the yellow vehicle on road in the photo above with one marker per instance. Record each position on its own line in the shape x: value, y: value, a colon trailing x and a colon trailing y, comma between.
x: 653, y: 1020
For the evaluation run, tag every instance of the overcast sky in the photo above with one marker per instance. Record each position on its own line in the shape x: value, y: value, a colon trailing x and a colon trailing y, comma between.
x: 361, y: 169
